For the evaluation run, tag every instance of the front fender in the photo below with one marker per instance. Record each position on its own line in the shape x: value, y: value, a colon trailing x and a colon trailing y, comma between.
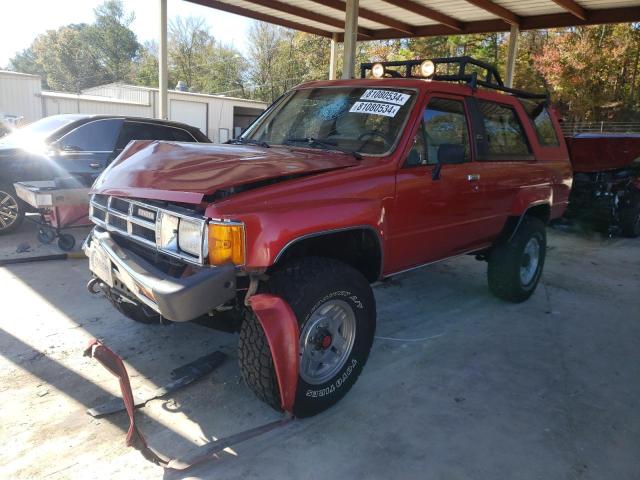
x: 268, y: 233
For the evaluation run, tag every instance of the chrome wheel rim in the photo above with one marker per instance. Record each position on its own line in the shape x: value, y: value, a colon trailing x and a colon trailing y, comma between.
x: 8, y: 210
x: 530, y: 261
x: 326, y: 341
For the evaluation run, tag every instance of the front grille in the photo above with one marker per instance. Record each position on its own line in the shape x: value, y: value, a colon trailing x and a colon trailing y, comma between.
x: 137, y: 221
x: 100, y: 200
x: 118, y: 222
x: 119, y: 205
x: 139, y: 231
x: 99, y: 214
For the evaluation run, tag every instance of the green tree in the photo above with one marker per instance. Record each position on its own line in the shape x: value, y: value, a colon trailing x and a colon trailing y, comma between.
x: 66, y: 62
x: 75, y: 57
x: 145, y: 66
x: 111, y: 40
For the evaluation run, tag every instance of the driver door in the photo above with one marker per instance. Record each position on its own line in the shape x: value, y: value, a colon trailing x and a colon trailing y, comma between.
x: 436, y: 213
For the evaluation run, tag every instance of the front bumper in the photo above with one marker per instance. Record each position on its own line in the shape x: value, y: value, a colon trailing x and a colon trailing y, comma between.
x: 176, y: 299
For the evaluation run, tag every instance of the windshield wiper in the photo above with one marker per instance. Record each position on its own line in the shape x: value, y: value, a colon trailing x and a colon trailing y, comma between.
x: 316, y: 142
x: 248, y: 141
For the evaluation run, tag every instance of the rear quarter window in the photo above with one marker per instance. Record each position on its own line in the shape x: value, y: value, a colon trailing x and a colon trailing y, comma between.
x: 504, y: 137
x: 545, y: 130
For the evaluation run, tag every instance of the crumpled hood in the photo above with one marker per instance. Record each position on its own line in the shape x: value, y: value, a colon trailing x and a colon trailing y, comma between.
x: 185, y: 172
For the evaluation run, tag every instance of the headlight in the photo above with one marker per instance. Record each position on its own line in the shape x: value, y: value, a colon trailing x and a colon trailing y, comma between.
x: 167, y: 234
x: 190, y: 237
x: 226, y: 243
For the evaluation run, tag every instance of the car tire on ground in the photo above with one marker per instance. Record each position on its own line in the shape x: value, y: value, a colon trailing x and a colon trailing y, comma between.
x: 11, y: 209
x: 336, y: 314
x: 515, y: 265
x: 630, y: 217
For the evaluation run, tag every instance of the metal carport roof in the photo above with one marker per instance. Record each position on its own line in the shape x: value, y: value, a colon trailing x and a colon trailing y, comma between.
x: 352, y: 20
x: 385, y: 19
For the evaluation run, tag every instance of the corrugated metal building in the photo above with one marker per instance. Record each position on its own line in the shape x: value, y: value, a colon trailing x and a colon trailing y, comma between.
x: 20, y: 95
x: 219, y: 117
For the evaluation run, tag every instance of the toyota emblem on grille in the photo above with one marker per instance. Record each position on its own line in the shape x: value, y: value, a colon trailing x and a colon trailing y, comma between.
x: 146, y: 214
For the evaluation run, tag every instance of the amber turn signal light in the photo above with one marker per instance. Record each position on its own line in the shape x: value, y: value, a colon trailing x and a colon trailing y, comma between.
x: 226, y: 243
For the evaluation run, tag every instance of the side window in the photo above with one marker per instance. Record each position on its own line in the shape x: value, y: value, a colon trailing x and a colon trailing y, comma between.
x: 504, y: 136
x: 544, y: 129
x: 180, y: 135
x: 445, y: 127
x: 135, y: 131
x: 95, y: 136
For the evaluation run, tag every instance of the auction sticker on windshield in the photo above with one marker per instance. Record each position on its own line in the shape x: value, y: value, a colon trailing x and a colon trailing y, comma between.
x: 388, y: 96
x: 375, y: 108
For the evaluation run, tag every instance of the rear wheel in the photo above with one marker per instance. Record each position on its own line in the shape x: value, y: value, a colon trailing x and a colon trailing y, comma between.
x: 515, y: 266
x: 630, y: 217
x: 11, y: 210
x: 336, y: 315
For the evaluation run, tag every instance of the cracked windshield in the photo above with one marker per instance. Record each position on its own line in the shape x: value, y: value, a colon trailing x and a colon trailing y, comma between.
x: 364, y: 120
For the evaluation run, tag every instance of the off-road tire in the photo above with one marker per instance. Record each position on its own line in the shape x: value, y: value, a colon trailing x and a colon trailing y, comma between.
x: 507, y: 257
x: 137, y: 313
x: 306, y: 284
x: 7, y: 188
x: 630, y: 217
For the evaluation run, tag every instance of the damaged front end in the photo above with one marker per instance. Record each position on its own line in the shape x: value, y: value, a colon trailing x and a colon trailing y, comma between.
x: 164, y: 259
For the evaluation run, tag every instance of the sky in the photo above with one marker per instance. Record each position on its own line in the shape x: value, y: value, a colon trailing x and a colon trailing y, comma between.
x: 23, y: 20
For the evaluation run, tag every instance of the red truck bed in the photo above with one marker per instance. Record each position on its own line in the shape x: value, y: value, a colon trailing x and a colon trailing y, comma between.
x: 597, y: 152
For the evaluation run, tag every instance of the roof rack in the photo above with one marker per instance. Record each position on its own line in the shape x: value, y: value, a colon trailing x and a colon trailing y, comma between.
x: 490, y: 79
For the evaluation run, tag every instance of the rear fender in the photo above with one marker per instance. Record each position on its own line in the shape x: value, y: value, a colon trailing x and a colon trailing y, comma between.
x: 280, y: 326
x: 527, y: 201
x: 531, y: 197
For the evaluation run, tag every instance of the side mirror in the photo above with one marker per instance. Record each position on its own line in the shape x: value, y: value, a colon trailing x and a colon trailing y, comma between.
x: 448, y: 154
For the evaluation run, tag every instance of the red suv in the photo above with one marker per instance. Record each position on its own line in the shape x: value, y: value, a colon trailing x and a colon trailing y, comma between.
x: 338, y: 185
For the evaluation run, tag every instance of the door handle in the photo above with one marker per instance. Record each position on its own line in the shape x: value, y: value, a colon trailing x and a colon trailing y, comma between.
x: 473, y: 177
x: 94, y: 165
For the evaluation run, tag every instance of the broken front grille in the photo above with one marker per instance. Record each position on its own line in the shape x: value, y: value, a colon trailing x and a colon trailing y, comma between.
x: 139, y: 222
x: 117, y: 214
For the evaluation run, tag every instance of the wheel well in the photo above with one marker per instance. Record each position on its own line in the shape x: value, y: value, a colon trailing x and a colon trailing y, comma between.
x: 360, y: 247
x: 542, y: 212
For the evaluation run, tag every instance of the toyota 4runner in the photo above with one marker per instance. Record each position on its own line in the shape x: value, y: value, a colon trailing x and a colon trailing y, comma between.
x: 338, y: 185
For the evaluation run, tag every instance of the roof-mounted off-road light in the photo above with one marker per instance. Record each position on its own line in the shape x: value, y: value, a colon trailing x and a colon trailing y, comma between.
x: 377, y: 70
x: 427, y: 69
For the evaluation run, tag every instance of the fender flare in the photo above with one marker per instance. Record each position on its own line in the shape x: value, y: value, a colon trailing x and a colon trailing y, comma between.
x: 521, y: 217
x: 320, y: 233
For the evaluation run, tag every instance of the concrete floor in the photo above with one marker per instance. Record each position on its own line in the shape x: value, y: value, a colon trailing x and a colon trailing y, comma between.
x: 459, y: 385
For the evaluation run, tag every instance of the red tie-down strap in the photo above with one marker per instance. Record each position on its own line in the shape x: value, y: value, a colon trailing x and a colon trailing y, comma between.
x: 135, y: 439
x: 114, y: 364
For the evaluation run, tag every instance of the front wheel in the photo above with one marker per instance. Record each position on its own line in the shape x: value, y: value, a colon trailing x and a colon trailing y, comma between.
x: 515, y: 266
x: 336, y: 315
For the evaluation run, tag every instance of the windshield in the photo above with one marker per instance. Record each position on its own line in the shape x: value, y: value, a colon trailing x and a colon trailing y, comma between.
x: 359, y: 119
x: 37, y: 131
